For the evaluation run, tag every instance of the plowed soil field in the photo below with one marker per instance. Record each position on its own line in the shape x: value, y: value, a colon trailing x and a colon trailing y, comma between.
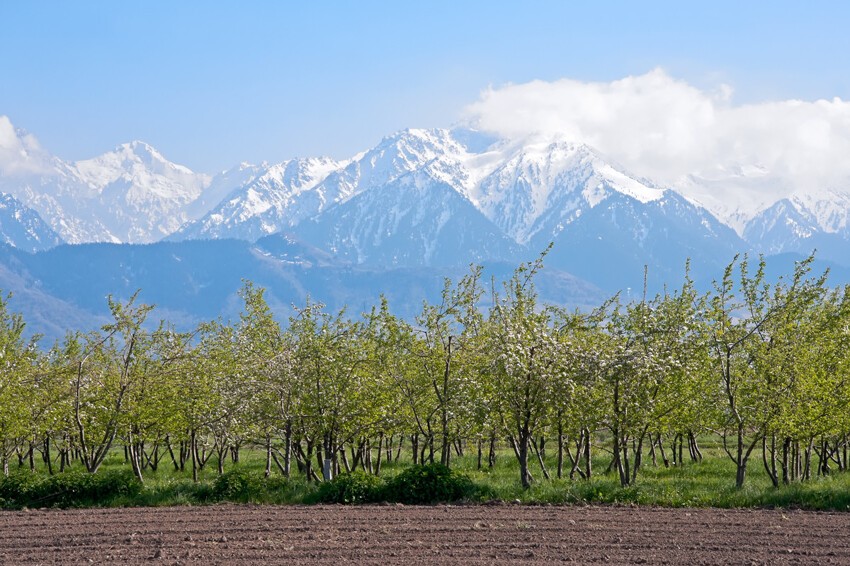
x: 233, y: 534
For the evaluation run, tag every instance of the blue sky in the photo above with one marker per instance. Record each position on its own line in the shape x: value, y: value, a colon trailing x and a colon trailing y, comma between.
x: 212, y: 83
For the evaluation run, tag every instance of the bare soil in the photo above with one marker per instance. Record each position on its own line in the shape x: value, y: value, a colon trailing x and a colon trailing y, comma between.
x: 234, y: 534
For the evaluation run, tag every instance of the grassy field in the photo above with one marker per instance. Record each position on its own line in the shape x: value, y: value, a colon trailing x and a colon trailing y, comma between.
x: 710, y: 483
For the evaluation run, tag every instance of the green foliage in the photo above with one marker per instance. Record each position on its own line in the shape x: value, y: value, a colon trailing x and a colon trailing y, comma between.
x: 430, y: 483
x: 244, y: 485
x: 236, y: 485
x: 356, y: 487
x: 170, y: 492
x: 709, y: 483
x: 17, y: 487
x: 70, y: 489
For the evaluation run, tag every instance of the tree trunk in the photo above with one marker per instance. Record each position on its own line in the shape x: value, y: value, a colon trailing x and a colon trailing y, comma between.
x: 522, y: 454
x: 540, y: 453
x: 620, y: 458
x: 491, y: 455
x: 695, y: 446
x: 769, y: 459
x: 171, y: 453
x: 445, y: 453
x: 398, y: 448
x: 652, y: 451
x: 380, y: 452
x: 222, y: 453
x: 133, y: 450
x: 193, y: 448
x: 560, y: 472
x: 47, y: 458
x: 588, y: 465
x: 807, y: 473
x: 660, y: 442
x: 308, y: 461
x: 742, y: 456
x: 344, y: 456
x: 638, y: 448
x: 287, y: 449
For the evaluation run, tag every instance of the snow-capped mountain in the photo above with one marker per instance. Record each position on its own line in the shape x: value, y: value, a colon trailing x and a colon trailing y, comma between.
x: 270, y: 199
x: 509, y: 201
x: 221, y: 186
x: 144, y: 194
x: 414, y: 221
x: 802, y: 223
x: 772, y: 215
x: 605, y: 223
x: 131, y: 194
x: 433, y: 197
x: 23, y: 228
x: 287, y: 193
x: 449, y: 197
x: 541, y: 187
x: 735, y: 196
x: 780, y: 227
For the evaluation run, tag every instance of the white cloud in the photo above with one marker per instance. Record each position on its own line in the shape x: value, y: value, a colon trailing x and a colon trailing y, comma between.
x: 665, y: 129
x: 20, y: 153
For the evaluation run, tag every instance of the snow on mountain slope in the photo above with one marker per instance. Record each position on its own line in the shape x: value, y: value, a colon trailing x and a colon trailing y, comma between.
x: 138, y: 194
x: 289, y: 192
x: 735, y: 196
x: 773, y: 215
x: 131, y: 194
x: 413, y: 221
x: 23, y: 228
x: 396, y: 155
x: 830, y: 209
x: 537, y: 181
x: 803, y: 223
x: 222, y: 185
x: 271, y: 200
x: 145, y: 173
x: 49, y: 192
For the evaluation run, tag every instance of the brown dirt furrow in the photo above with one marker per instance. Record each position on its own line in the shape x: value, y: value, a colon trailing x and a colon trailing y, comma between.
x: 486, y: 535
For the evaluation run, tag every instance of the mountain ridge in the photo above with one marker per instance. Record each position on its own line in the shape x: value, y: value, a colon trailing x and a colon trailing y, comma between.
x: 134, y: 194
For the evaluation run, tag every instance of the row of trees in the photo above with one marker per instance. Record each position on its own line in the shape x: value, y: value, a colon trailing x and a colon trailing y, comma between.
x: 764, y: 366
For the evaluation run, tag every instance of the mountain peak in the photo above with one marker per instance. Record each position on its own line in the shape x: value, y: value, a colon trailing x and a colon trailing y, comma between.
x: 141, y: 149
x: 139, y: 152
x: 419, y: 140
